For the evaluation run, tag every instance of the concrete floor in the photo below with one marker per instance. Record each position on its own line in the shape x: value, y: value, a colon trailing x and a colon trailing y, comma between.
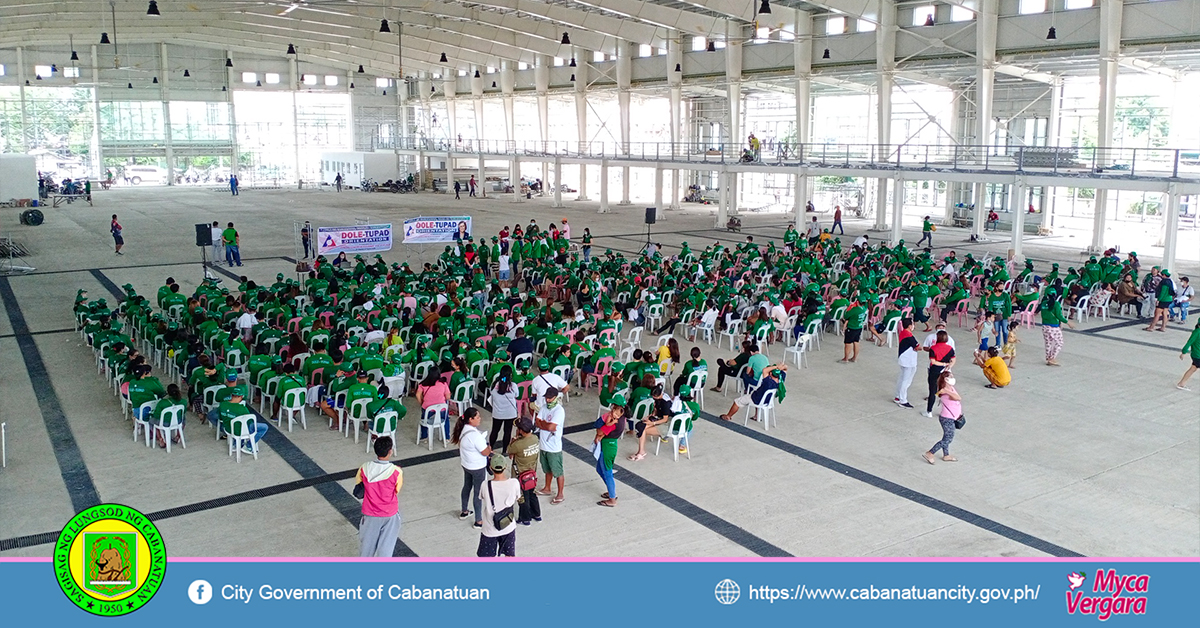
x: 1099, y: 457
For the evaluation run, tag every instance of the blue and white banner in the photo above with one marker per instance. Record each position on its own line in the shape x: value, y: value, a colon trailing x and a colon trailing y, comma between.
x: 432, y: 229
x: 357, y: 239
x: 689, y: 592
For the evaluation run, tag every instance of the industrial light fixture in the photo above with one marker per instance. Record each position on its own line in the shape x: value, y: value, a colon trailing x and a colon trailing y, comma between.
x: 477, y: 73
x: 765, y: 9
x: 432, y: 89
x: 1052, y: 33
x: 929, y: 21
x: 156, y: 80
x: 443, y: 58
x: 224, y: 89
x: 493, y: 84
x: 291, y: 49
x: 360, y: 69
x: 258, y: 83
x: 678, y: 67
x: 711, y: 47
x: 228, y: 62
x: 826, y: 55
x: 572, y: 78
x: 153, y: 10
x: 383, y: 27
x: 104, y: 38
x: 26, y: 82
x: 566, y: 40
x: 352, y: 86
x: 385, y: 92
x: 38, y: 77
x: 130, y: 86
x: 572, y: 63
x: 187, y: 74
x: 74, y: 56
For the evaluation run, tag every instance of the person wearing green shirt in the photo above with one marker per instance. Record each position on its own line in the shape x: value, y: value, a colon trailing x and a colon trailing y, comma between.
x: 172, y: 399
x: 359, y: 388
x: 232, y: 242
x: 1191, y: 349
x: 926, y: 232
x: 1052, y: 319
x: 143, y: 389
x: 290, y: 380
x: 1000, y: 303
x: 856, y: 319
x: 235, y: 407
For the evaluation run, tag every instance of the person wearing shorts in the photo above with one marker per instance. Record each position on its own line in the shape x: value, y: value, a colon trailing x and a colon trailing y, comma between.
x: 770, y: 381
x: 118, y: 241
x: 856, y: 318
x: 549, y: 421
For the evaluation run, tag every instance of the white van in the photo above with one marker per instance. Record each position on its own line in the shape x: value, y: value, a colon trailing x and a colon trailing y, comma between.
x: 151, y: 175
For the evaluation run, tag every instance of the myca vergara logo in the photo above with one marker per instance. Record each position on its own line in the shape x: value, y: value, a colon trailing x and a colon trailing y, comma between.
x: 1111, y: 594
x: 110, y: 560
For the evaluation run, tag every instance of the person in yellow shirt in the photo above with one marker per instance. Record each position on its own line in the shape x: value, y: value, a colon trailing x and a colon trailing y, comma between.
x: 994, y: 368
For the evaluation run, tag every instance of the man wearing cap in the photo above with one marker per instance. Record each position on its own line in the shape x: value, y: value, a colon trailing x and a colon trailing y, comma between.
x: 770, y: 382
x: 1183, y: 299
x: 524, y: 450
x: 549, y: 420
x: 1164, y: 295
x: 231, y: 408
x: 547, y: 379
x: 381, y: 481
x: 500, y: 494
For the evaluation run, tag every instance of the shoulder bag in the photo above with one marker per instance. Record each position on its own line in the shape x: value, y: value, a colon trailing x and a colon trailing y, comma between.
x: 503, y: 518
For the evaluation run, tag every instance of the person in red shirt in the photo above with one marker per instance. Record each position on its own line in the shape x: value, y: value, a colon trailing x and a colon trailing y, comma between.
x: 837, y: 220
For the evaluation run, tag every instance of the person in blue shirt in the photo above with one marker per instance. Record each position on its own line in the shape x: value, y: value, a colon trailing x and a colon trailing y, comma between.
x: 773, y: 373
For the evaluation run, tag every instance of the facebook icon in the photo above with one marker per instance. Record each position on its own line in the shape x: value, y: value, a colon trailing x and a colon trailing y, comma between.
x: 200, y: 592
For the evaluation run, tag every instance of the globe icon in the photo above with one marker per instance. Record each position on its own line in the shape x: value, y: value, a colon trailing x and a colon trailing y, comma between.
x: 727, y: 591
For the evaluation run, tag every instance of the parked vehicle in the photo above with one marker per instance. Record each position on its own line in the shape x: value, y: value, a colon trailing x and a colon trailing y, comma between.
x: 151, y: 175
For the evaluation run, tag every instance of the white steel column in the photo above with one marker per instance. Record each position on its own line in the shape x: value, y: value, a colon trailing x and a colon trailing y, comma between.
x: 581, y: 81
x: 885, y: 65
x: 507, y: 81
x: 897, y: 211
x: 801, y: 192
x: 658, y: 188
x: 558, y: 181
x: 803, y: 53
x: 722, y: 203
x: 541, y: 87
x: 21, y: 74
x: 477, y: 104
x: 675, y: 84
x: 450, y: 91
x: 1171, y: 220
x: 624, y: 75
x: 733, y: 77
x: 1016, y: 206
x: 985, y: 50
x: 164, y: 96
x: 1110, y: 53
x: 515, y: 178
x: 956, y: 125
x: 294, y: 84
x: 98, y: 155
x: 604, y: 208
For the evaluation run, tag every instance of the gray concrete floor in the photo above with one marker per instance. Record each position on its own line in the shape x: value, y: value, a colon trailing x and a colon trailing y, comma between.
x: 1098, y: 457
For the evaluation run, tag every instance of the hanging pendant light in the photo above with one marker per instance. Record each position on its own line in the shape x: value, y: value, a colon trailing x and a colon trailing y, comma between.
x: 765, y: 8
x: 228, y: 62
x: 258, y: 83
x: 360, y: 69
x: 443, y: 58
x: 104, y: 38
x: 711, y: 47
x: 383, y: 27
x: 38, y: 77
x: 477, y: 73
x: 155, y: 80
x: 678, y: 67
x: 291, y: 49
x: 385, y: 92
x: 187, y: 74
x: 493, y: 84
x: 826, y: 55
x: 224, y: 89
x: 352, y: 86
x: 432, y: 89
x: 130, y: 86
x: 1052, y: 33
x: 566, y: 40
x: 572, y: 78
x: 572, y: 63
x: 153, y: 10
x: 74, y: 56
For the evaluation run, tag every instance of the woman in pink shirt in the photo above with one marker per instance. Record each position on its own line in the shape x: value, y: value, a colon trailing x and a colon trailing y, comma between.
x: 431, y: 392
x: 951, y: 411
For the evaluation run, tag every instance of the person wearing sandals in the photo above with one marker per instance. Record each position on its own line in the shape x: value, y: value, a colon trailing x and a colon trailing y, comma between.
x: 524, y: 450
x: 498, y: 535
x: 951, y: 410
x: 1191, y: 349
x: 549, y: 420
x: 174, y: 398
x: 649, y: 425
x: 473, y: 452
x: 608, y: 434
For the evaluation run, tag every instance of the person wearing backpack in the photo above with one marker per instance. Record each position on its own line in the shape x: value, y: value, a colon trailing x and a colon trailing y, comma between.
x: 499, y: 534
x: 524, y: 451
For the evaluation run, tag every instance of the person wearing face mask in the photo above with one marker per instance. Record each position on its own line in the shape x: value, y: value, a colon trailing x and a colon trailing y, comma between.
x: 951, y: 411
x: 549, y: 420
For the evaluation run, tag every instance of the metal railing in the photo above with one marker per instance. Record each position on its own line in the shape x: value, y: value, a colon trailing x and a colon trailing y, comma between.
x: 1114, y: 162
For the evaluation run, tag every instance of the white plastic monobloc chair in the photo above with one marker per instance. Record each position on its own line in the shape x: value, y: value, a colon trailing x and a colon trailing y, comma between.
x: 431, y: 420
x: 383, y: 424
x: 242, y: 430
x: 356, y: 414
x: 677, y: 432
x: 764, y: 409
x: 171, y: 423
x: 291, y: 404
x: 143, y: 423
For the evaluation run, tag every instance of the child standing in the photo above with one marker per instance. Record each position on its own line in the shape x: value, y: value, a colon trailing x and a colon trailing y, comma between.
x: 1008, y: 352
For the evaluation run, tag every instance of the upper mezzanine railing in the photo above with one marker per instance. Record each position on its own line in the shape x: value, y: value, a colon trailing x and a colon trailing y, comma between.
x: 1140, y: 163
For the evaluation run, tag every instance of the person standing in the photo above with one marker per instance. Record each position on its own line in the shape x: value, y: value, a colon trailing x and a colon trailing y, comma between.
x: 856, y: 318
x: 457, y: 189
x: 218, y: 246
x: 471, y: 185
x: 338, y: 181
x: 1164, y: 295
x: 907, y: 360
x: 524, y: 450
x: 378, y: 482
x: 587, y: 245
x: 1192, y: 346
x: 837, y: 220
x: 926, y: 232
x: 549, y: 420
x: 504, y: 406
x: 473, y: 452
x: 498, y: 537
x: 941, y: 357
x: 608, y: 434
x: 233, y: 184
x: 306, y: 239
x: 233, y: 242
x: 116, y: 229
x: 813, y: 231
x: 951, y: 411
x: 1052, y: 320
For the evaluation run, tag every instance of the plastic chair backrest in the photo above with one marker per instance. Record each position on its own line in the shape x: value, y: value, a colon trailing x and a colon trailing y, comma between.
x: 697, y: 379
x: 294, y: 398
x: 241, y: 425
x: 643, y: 409
x: 210, y: 394
x: 561, y: 370
x: 173, y: 416
x: 358, y: 408
x: 527, y: 358
x: 464, y: 391
x: 768, y: 400
x: 678, y: 424
x: 385, y: 422
x: 421, y: 371
x: 432, y: 414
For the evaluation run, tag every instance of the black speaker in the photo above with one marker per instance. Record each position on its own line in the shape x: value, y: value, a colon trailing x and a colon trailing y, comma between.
x: 651, y: 213
x: 203, y: 234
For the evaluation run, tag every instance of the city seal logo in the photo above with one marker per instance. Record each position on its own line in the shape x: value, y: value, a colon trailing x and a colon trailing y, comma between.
x: 110, y: 560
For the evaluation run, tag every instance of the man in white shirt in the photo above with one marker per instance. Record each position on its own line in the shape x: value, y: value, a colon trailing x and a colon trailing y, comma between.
x: 549, y: 421
x: 861, y: 242
x: 497, y: 494
x: 547, y: 379
x: 1183, y: 300
x: 907, y: 360
x: 245, y: 324
x: 932, y: 337
x: 218, y: 241
x: 813, y: 231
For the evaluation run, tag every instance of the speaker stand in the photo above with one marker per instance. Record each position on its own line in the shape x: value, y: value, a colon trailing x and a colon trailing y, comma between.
x: 645, y: 246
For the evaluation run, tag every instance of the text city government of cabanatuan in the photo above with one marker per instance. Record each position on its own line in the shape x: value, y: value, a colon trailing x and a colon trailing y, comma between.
x: 271, y: 593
